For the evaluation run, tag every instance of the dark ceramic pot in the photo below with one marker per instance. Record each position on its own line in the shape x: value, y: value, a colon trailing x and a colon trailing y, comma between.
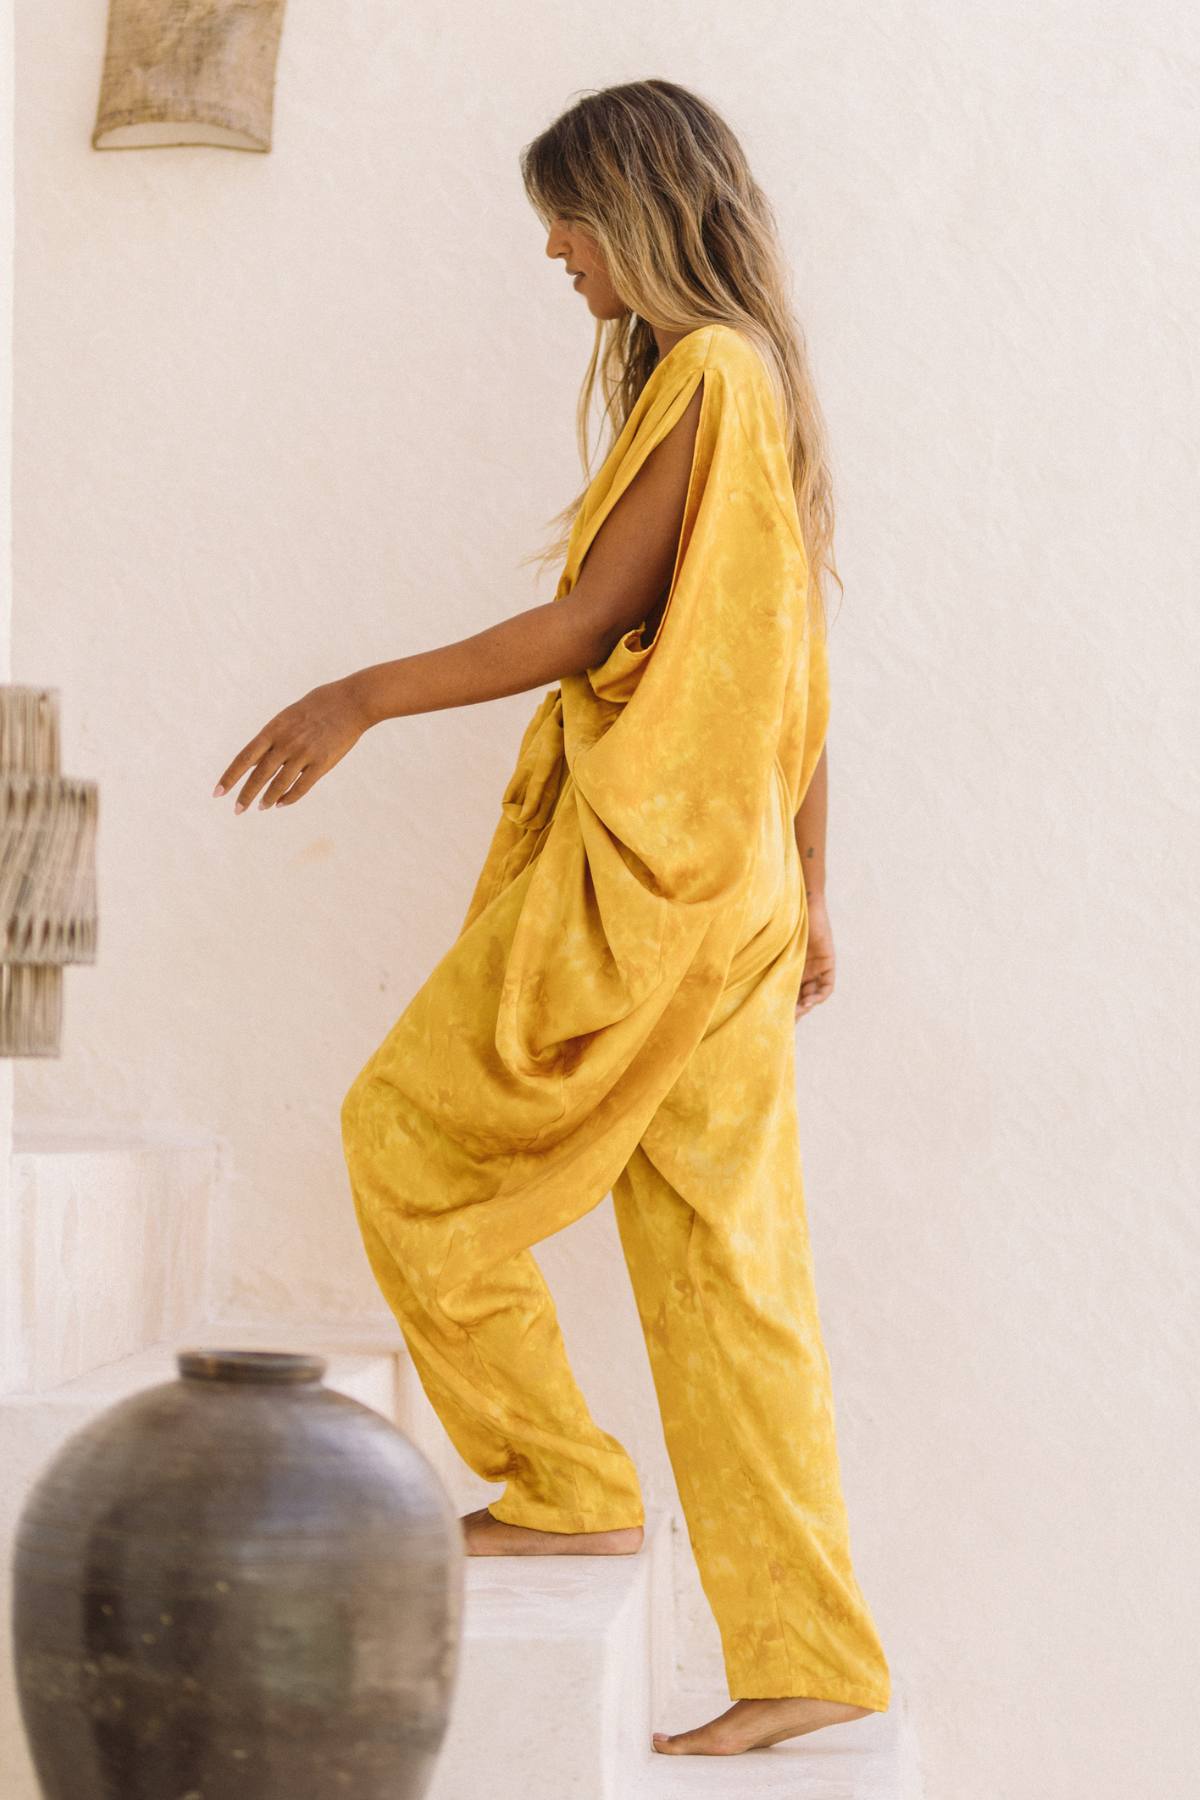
x: 237, y: 1586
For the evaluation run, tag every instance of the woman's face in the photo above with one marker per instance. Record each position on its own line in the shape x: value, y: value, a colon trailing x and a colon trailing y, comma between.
x: 584, y: 264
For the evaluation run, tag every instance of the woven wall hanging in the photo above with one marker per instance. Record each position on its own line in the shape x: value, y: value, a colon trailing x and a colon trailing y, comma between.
x: 47, y: 872
x: 189, y: 72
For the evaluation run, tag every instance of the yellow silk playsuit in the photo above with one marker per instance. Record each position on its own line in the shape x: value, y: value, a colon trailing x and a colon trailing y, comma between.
x: 617, y: 1014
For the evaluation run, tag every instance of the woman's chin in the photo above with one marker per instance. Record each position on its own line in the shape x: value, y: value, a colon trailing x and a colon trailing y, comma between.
x: 600, y: 311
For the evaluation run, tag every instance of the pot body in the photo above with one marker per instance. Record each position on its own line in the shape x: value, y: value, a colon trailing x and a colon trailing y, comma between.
x: 237, y: 1584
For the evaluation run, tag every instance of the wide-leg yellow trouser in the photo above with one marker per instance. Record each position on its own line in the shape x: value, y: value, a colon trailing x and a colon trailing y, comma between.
x: 707, y: 1187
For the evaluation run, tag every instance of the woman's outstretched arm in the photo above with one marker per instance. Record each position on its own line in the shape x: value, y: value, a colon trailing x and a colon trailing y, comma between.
x: 626, y: 570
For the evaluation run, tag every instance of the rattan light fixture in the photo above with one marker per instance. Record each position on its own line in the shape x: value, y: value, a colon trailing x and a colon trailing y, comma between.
x: 189, y: 72
x: 47, y: 872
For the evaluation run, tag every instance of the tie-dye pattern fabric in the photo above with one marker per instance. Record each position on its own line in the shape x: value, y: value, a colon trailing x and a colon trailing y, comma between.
x: 616, y: 1014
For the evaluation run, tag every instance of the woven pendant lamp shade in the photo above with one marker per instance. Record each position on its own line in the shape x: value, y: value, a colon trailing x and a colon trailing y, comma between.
x: 47, y: 872
x: 189, y: 72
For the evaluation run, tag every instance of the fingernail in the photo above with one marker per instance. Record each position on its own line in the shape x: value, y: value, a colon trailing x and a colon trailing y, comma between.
x: 217, y: 790
x: 262, y: 803
x: 240, y: 807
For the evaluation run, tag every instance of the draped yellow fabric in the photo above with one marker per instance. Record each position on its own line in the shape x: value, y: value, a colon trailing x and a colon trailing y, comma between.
x: 616, y: 1014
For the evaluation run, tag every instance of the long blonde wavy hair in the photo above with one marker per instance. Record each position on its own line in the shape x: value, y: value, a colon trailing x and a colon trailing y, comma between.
x: 689, y: 239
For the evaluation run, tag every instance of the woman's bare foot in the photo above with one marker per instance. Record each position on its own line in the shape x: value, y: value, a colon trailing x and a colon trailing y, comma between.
x: 753, y: 1724
x: 485, y: 1535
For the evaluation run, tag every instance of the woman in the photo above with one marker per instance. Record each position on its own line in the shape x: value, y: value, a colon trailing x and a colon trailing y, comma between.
x: 617, y: 1009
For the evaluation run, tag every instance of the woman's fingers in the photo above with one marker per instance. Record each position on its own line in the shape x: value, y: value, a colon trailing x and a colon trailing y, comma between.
x: 813, y: 990
x: 285, y: 775
x: 251, y: 753
x: 308, y: 777
x: 291, y: 770
x: 258, y: 779
x: 295, y: 748
x: 269, y: 758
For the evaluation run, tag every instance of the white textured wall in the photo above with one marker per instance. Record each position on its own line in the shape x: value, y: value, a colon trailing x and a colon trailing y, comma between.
x: 282, y: 416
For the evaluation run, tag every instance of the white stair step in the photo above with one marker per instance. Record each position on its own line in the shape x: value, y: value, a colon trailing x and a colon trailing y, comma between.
x: 108, y: 1249
x: 874, y: 1758
x: 553, y: 1700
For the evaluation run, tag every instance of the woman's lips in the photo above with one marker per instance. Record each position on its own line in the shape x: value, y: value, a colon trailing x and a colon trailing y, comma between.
x: 580, y: 277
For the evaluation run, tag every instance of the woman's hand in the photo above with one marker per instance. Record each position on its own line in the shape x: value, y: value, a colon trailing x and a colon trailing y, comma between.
x: 817, y: 981
x: 299, y: 745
